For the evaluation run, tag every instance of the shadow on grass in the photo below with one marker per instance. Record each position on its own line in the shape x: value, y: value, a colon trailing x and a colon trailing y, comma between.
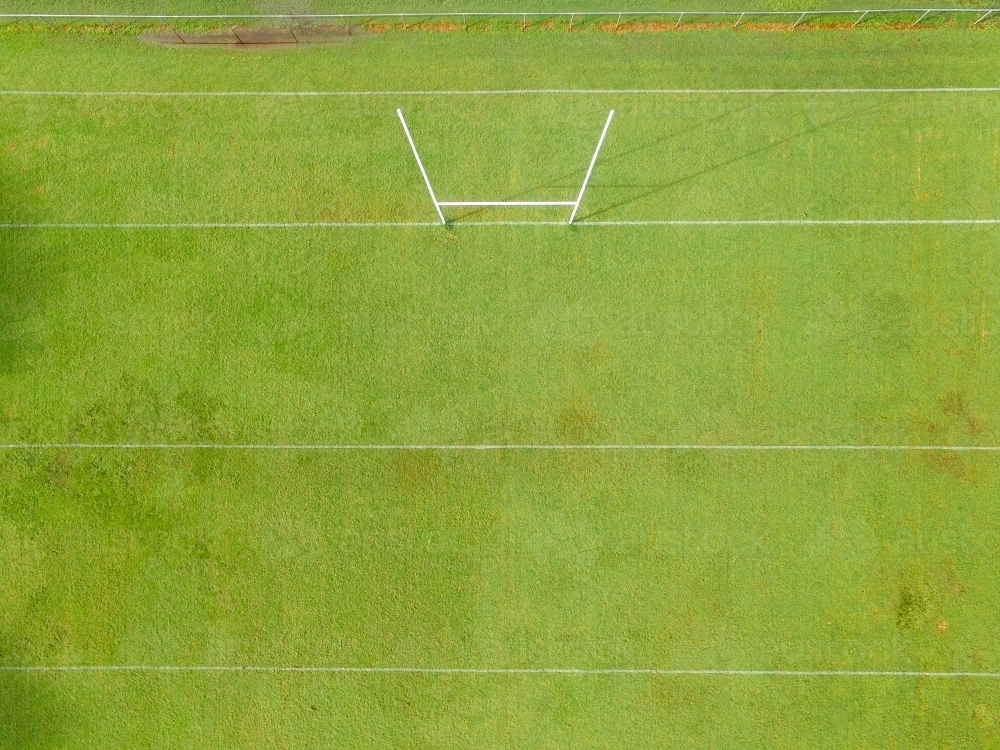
x: 650, y: 190
x: 647, y: 190
x: 27, y: 270
x: 30, y: 716
x: 572, y: 179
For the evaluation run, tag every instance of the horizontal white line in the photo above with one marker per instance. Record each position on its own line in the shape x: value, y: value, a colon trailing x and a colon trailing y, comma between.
x: 506, y: 203
x: 220, y: 225
x: 518, y: 92
x: 488, y: 447
x: 515, y: 671
x: 787, y: 222
x: 432, y: 224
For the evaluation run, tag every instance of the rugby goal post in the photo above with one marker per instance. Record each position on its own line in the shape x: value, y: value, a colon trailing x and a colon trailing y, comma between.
x: 438, y: 205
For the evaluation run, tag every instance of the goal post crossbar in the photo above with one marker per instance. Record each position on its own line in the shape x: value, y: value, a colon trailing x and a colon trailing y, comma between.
x: 438, y: 205
x: 506, y: 203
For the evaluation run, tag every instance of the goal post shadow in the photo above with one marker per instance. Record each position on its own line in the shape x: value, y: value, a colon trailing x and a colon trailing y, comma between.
x: 438, y: 204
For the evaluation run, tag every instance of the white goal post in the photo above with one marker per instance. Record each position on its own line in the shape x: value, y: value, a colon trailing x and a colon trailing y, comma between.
x: 438, y: 205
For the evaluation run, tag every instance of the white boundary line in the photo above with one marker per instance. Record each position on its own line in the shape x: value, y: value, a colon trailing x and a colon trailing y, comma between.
x: 430, y: 224
x: 555, y: 671
x: 220, y: 225
x: 517, y: 92
x: 496, y: 447
x: 787, y: 222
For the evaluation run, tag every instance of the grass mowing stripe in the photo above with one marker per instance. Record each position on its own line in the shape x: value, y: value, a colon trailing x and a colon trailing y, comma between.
x: 573, y: 671
x: 353, y: 310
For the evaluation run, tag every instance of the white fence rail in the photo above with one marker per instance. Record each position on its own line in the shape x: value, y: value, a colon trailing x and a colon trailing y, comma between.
x: 346, y: 21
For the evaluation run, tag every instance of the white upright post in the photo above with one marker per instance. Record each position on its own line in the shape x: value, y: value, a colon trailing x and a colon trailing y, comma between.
x: 427, y: 181
x: 586, y: 179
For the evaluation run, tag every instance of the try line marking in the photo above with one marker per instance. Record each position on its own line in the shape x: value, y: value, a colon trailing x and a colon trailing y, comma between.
x: 488, y: 447
x: 460, y: 223
x: 582, y: 672
x: 523, y: 92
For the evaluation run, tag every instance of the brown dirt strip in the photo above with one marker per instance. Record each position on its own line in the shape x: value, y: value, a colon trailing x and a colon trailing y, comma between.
x: 283, y: 36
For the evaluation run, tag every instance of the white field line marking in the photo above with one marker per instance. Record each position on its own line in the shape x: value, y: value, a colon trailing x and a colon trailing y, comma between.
x: 499, y: 204
x: 221, y: 225
x: 491, y: 447
x: 518, y: 92
x: 429, y: 224
x: 785, y: 222
x: 583, y: 672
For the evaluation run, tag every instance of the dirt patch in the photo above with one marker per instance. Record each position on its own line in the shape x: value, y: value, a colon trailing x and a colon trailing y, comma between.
x: 815, y: 24
x: 440, y: 26
x: 259, y: 37
x: 911, y: 608
x: 977, y: 425
x: 626, y: 27
x: 950, y: 462
x: 209, y: 32
x: 952, y: 404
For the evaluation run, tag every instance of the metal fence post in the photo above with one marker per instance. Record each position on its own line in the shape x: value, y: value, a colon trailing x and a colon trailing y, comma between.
x: 225, y: 21
x: 169, y: 26
x: 287, y: 26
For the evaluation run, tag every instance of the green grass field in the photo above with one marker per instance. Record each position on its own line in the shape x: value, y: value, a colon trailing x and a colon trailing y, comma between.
x: 536, y: 334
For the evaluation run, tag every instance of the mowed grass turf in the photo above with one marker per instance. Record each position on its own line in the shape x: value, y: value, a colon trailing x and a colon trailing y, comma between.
x: 499, y: 334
